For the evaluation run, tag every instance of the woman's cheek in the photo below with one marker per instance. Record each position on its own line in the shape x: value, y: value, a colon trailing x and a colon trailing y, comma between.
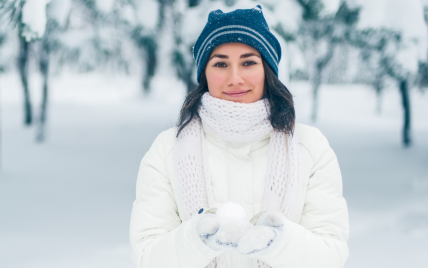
x: 215, y: 83
x: 256, y: 78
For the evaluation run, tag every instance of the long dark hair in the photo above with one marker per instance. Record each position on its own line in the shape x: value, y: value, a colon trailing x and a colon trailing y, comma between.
x: 282, y: 115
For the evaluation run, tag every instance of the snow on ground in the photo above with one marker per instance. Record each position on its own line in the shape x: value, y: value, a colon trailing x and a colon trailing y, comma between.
x: 66, y: 203
x: 386, y: 185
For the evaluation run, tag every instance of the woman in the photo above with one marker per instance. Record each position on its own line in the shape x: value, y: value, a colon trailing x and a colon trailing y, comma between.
x: 236, y: 141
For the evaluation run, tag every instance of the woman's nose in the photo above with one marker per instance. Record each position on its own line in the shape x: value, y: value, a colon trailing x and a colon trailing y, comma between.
x: 235, y: 77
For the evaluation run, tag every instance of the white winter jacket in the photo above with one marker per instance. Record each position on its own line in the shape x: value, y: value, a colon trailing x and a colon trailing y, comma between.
x: 162, y: 237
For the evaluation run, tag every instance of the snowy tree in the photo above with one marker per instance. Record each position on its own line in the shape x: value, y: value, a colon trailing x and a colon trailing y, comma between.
x: 150, y: 17
x: 396, y: 43
x: 29, y: 17
x: 40, y: 26
x: 324, y: 25
x: 35, y: 30
x: 422, y: 78
x: 187, y: 22
x: 13, y: 10
x: 5, y: 8
x: 117, y: 31
x: 316, y: 28
x: 375, y: 50
x: 48, y: 45
x: 382, y: 46
x: 93, y: 37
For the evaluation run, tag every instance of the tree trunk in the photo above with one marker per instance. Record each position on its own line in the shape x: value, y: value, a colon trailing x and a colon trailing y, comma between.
x: 315, y: 88
x: 405, y: 100
x: 23, y: 72
x: 379, y: 85
x: 1, y: 147
x: 44, y: 68
x: 316, y: 83
x: 149, y: 71
x: 145, y: 83
x: 378, y: 101
x: 150, y: 50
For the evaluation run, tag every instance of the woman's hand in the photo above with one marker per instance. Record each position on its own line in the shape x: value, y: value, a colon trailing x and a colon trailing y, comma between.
x: 226, y: 229
x: 261, y: 238
x: 219, y: 236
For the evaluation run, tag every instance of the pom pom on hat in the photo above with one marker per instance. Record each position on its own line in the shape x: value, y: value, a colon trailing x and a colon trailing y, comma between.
x: 247, y: 26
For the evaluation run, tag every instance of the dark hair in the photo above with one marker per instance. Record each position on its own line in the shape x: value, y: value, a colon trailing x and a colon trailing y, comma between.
x: 282, y: 114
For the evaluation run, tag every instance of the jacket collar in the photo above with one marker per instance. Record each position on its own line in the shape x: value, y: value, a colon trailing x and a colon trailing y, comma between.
x: 251, y: 146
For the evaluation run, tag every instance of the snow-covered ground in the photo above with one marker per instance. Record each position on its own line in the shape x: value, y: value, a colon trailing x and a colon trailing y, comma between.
x: 67, y: 202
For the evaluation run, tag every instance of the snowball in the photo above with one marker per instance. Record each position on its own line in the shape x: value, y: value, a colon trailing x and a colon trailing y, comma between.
x: 230, y: 212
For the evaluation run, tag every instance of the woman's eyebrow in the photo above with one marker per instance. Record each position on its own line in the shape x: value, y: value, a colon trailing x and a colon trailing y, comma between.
x: 219, y: 56
x: 249, y: 55
x: 226, y: 57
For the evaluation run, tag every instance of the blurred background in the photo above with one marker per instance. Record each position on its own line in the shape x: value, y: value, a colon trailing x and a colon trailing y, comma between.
x: 86, y: 86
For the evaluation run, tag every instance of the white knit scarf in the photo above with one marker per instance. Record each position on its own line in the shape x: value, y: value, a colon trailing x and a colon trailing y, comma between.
x: 235, y: 122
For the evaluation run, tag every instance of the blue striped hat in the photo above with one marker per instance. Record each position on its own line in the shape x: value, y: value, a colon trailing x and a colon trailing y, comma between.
x: 246, y: 26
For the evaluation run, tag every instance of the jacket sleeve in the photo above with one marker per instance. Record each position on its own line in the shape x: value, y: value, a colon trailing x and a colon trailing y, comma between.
x: 158, y: 237
x: 320, y: 238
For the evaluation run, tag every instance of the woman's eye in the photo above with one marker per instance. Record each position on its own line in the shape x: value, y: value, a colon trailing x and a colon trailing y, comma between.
x: 249, y: 63
x: 220, y: 64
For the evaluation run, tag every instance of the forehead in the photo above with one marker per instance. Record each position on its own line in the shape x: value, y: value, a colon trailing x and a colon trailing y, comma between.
x: 231, y: 49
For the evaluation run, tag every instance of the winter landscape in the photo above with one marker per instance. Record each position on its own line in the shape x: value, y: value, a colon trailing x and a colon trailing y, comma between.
x: 67, y: 178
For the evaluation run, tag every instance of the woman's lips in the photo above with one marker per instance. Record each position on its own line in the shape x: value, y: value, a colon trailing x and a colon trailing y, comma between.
x: 236, y: 93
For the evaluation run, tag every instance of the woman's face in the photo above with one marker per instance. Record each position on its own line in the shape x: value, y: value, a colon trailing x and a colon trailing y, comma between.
x: 235, y: 72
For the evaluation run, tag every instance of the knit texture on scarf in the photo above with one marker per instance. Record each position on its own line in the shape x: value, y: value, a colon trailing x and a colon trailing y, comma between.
x: 235, y: 122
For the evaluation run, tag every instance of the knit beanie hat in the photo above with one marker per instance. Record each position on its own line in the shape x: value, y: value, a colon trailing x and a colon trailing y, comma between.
x: 246, y: 26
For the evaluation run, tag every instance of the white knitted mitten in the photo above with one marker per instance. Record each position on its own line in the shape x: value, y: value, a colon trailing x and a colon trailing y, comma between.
x: 263, y: 237
x: 221, y: 238
x: 222, y: 230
